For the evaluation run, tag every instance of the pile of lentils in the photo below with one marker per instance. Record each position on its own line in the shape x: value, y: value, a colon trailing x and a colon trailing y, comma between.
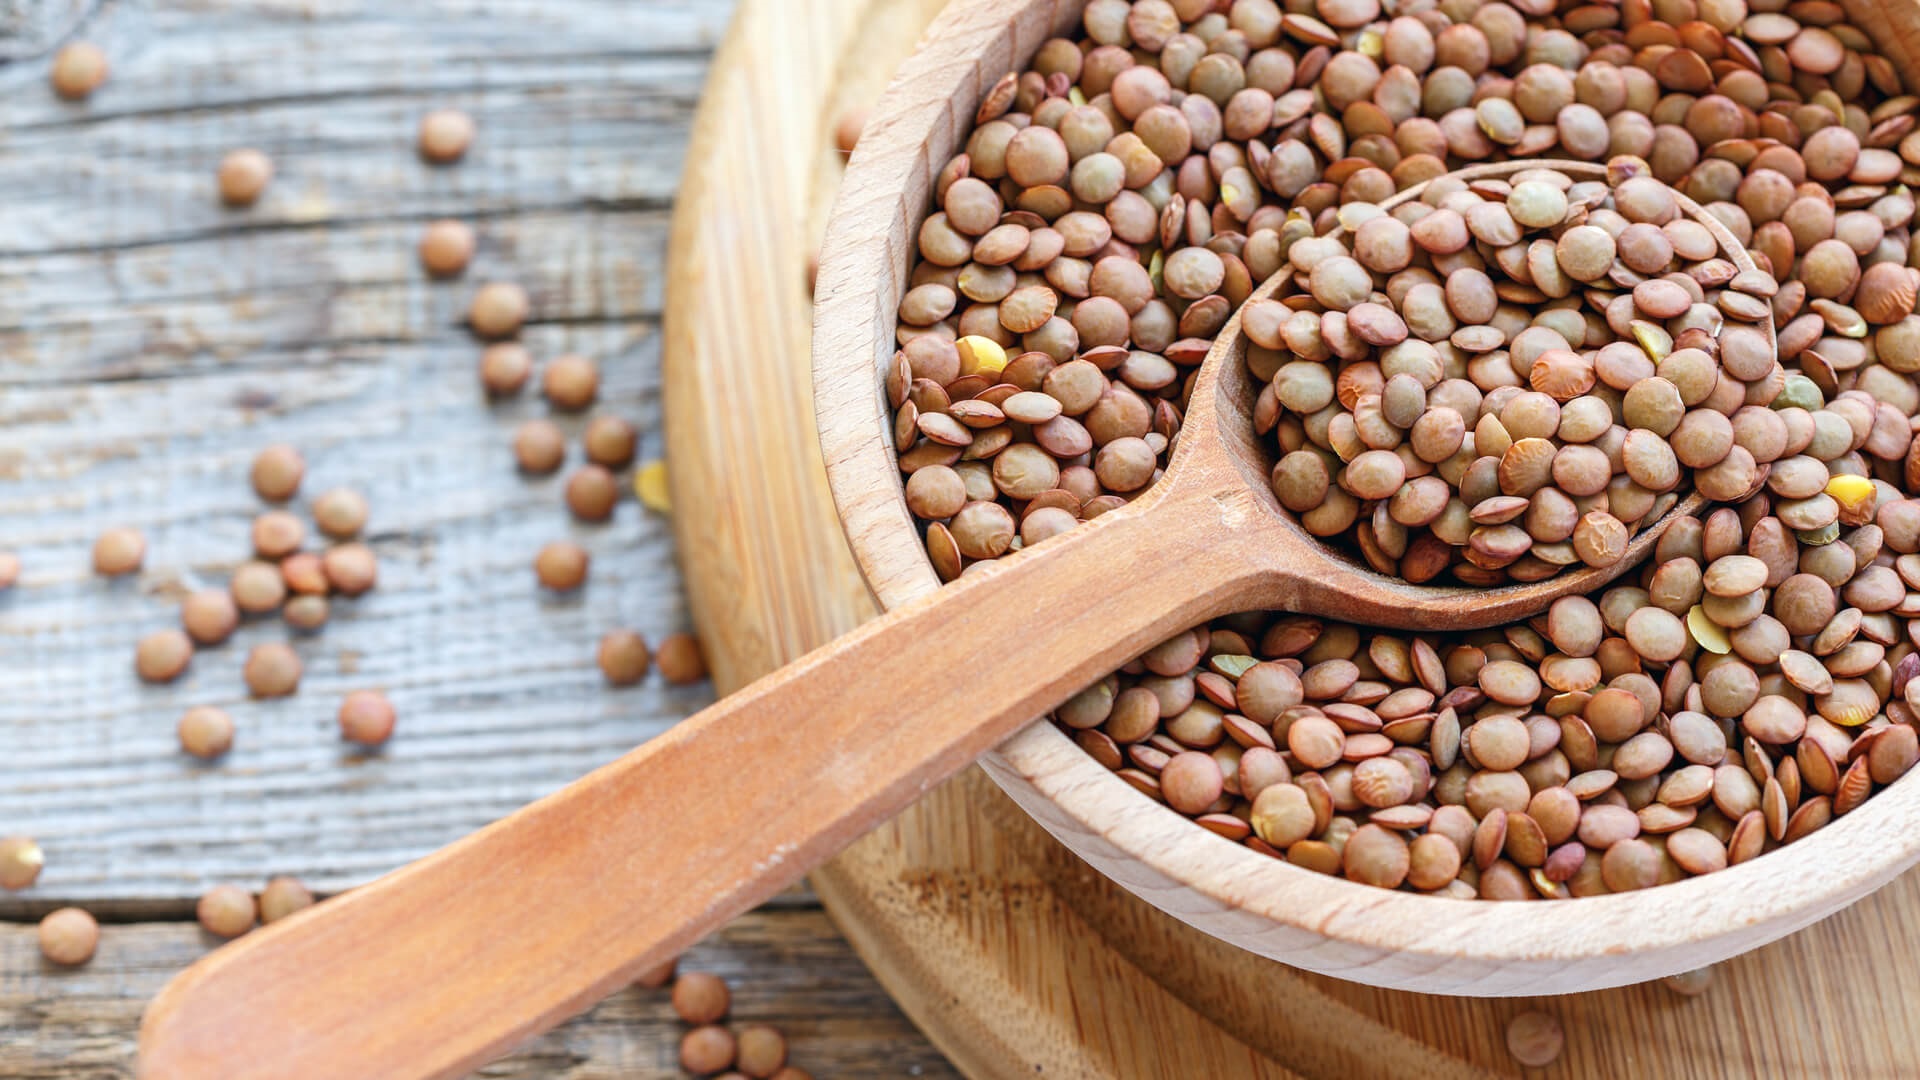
x: 1585, y: 413
x: 1119, y: 200
x: 710, y: 1048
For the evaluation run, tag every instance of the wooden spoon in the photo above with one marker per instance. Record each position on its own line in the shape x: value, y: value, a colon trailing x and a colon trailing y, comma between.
x: 454, y: 959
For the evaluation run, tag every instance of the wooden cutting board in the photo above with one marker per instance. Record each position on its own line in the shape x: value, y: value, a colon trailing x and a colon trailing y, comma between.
x: 1014, y: 957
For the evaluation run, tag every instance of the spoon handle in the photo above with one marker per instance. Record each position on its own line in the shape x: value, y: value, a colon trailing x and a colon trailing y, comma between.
x: 454, y: 959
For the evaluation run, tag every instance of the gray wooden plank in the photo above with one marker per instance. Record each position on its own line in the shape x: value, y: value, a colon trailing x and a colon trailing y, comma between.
x: 152, y: 341
x: 787, y: 968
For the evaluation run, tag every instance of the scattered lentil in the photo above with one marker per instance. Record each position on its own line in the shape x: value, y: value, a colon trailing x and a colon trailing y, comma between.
x: 307, y: 612
x: 1535, y: 1039
x: 352, y: 568
x: 539, y: 446
x: 226, y: 911
x: 277, y: 472
x: 79, y: 68
x: 680, y: 659
x: 244, y: 175
x: 366, y: 717
x: 68, y: 937
x: 707, y: 1050
x: 610, y: 441
x: 504, y: 368
x: 445, y: 135
x: 162, y: 655
x: 209, y: 616
x: 119, y: 551
x: 206, y: 732
x: 624, y: 658
x: 762, y: 1051
x: 498, y: 310
x: 272, y: 670
x: 562, y: 566
x: 657, y: 977
x: 277, y: 534
x: 1690, y: 983
x: 846, y: 129
x: 571, y: 382
x: 446, y: 247
x: 257, y: 587
x: 20, y: 862
x: 340, y: 513
x: 592, y: 493
x: 700, y: 997
x: 282, y: 897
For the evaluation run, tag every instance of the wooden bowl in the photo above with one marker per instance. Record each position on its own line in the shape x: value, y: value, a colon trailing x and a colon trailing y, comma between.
x: 1399, y: 940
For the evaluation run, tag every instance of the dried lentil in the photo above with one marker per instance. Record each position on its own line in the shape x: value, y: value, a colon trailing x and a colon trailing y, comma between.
x: 243, y: 177
x: 206, y: 732
x: 366, y: 717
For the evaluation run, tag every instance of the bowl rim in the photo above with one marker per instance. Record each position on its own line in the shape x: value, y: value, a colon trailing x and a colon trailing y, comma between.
x: 926, y: 114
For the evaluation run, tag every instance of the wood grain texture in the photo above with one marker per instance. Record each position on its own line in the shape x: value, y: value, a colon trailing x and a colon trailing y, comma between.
x: 990, y: 961
x: 1215, y: 484
x: 785, y: 966
x: 437, y: 967
x: 154, y: 341
x: 971, y: 912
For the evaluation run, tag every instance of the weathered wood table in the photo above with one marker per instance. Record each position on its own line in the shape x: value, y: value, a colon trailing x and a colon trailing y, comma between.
x: 152, y: 341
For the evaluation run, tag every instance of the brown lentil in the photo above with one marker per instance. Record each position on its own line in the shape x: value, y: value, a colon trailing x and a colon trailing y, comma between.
x: 445, y: 135
x: 539, y: 446
x: 20, y: 862
x: 610, y: 442
x: 624, y: 658
x: 68, y: 937
x: 446, y: 247
x: 562, y: 566
x: 226, y: 911
x: 79, y: 68
x: 277, y: 534
x: 209, y: 616
x: 680, y: 659
x: 244, y: 176
x: 571, y: 382
x: 306, y: 612
x: 591, y: 493
x: 119, y: 551
x: 498, y: 310
x: 162, y: 655
x: 206, y: 732
x: 277, y: 472
x: 762, y: 1051
x: 701, y: 997
x: 504, y: 368
x: 366, y: 717
x: 707, y: 1050
x: 282, y: 897
x: 351, y: 568
x: 1535, y: 1039
x: 340, y: 513
x: 258, y: 587
x: 272, y: 670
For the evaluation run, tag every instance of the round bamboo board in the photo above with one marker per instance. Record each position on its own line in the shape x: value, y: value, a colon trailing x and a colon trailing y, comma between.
x: 1014, y: 957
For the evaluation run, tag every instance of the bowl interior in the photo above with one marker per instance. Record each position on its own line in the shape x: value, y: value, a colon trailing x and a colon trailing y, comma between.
x: 1393, y: 939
